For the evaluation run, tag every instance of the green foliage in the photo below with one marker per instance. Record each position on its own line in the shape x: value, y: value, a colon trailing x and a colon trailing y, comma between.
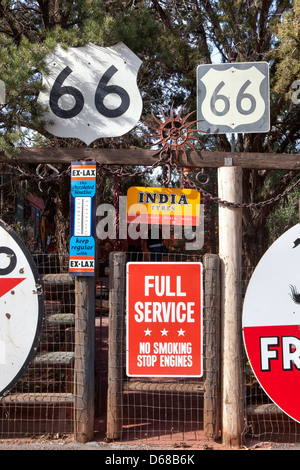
x: 284, y: 216
x: 27, y: 34
x: 136, y: 28
x: 171, y: 37
x: 288, y: 50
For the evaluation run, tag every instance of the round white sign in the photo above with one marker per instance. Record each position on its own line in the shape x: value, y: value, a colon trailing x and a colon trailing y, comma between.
x: 271, y: 322
x: 21, y: 308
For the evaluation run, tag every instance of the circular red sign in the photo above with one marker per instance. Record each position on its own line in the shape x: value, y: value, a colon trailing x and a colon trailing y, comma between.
x: 271, y: 322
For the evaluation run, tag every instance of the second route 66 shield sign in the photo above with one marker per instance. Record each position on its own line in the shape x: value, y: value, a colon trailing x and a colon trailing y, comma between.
x: 91, y: 92
x: 233, y: 97
x: 21, y: 308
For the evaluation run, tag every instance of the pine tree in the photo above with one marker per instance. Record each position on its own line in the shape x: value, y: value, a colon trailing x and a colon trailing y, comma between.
x: 171, y: 37
x: 219, y: 31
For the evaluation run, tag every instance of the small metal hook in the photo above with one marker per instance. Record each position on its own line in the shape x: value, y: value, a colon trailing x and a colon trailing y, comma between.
x: 200, y: 174
x: 167, y: 178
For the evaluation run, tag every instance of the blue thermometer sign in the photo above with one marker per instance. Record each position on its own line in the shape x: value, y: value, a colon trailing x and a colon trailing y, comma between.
x: 82, y: 226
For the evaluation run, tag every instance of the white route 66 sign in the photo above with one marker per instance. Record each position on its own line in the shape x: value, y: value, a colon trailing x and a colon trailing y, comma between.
x: 91, y: 92
x: 233, y: 97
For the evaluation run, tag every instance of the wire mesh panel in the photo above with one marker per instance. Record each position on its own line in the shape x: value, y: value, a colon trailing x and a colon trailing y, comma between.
x: 264, y: 421
x: 168, y: 412
x: 160, y: 409
x: 179, y: 411
x: 42, y: 401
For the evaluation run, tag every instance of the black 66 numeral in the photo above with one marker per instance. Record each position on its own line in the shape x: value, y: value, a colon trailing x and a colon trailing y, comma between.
x: 216, y: 96
x: 103, y: 89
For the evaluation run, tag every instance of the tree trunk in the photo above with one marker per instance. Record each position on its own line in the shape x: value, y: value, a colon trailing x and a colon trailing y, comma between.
x: 62, y: 219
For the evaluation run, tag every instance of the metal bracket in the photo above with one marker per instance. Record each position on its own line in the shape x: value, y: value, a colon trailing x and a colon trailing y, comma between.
x: 228, y: 161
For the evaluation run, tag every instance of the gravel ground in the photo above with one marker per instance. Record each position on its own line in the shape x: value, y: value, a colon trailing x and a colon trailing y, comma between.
x: 69, y: 444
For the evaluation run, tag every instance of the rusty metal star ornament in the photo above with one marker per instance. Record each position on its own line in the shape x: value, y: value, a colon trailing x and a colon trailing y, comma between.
x: 175, y: 133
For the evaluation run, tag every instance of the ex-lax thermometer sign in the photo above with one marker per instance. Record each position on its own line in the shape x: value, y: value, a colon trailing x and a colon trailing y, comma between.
x: 82, y: 226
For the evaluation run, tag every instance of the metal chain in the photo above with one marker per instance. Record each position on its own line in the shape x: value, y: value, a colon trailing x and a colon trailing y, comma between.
x: 119, y: 171
x: 37, y: 176
x: 251, y: 205
x: 165, y: 161
x: 169, y: 163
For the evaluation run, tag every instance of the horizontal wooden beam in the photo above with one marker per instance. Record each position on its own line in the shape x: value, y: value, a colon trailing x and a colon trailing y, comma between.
x: 144, y: 157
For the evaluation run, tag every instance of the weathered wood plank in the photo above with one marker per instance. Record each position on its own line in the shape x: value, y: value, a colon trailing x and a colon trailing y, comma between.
x: 54, y: 357
x: 64, y: 278
x: 84, y: 376
x: 61, y: 319
x: 138, y: 385
x: 264, y: 409
x: 38, y: 398
x: 117, y: 280
x: 230, y: 252
x: 212, y: 360
x: 146, y: 157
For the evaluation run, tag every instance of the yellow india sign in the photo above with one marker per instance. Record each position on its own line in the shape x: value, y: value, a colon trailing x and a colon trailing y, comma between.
x: 171, y: 206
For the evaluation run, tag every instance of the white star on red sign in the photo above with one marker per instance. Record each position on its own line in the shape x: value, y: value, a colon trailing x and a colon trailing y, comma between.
x: 164, y: 332
x: 180, y: 332
x: 147, y: 332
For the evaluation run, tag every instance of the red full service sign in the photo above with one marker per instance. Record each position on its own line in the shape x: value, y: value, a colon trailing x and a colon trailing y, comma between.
x: 164, y: 319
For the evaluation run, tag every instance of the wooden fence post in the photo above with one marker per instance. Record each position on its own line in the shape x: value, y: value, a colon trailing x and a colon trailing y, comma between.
x: 116, y: 347
x: 212, y: 401
x: 230, y: 252
x: 84, y: 358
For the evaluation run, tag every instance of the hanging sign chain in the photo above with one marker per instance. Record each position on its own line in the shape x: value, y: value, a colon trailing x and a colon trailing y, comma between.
x: 251, y: 205
x: 165, y: 160
x: 174, y: 134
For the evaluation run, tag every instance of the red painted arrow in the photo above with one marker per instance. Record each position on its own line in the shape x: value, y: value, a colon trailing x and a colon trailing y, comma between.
x: 8, y: 283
